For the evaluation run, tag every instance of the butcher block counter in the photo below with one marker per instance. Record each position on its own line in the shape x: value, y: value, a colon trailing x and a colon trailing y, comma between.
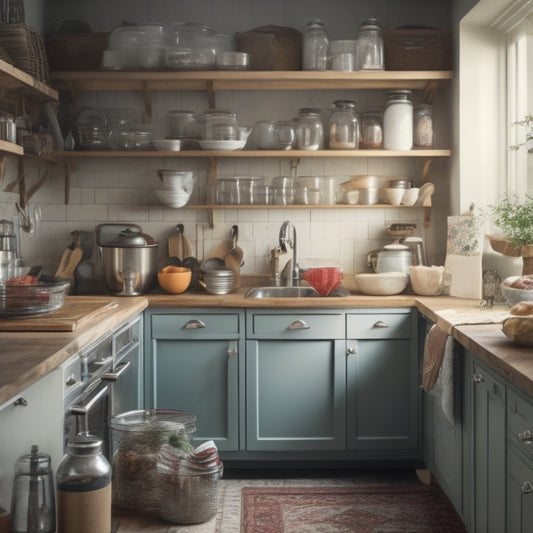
x: 27, y: 355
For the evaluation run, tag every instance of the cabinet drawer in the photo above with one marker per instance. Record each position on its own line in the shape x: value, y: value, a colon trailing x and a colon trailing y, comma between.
x: 296, y: 325
x: 520, y: 422
x: 195, y: 325
x: 379, y: 326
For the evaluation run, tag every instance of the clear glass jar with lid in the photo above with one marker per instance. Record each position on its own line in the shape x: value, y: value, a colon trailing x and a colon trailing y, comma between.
x: 309, y: 129
x: 398, y: 121
x: 371, y: 136
x: 220, y: 125
x: 315, y: 42
x: 343, y: 126
x: 370, y: 47
x: 423, y: 126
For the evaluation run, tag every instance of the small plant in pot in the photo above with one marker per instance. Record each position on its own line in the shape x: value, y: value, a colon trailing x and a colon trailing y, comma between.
x: 514, y: 216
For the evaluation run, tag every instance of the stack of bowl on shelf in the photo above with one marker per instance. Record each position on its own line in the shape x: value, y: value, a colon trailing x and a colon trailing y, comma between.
x: 177, y: 187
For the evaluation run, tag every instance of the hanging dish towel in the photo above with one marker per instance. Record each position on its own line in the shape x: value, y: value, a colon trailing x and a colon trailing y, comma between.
x: 438, y: 369
x: 464, y: 251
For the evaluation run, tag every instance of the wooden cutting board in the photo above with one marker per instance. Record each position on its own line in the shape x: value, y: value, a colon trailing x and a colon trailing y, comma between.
x: 75, y: 313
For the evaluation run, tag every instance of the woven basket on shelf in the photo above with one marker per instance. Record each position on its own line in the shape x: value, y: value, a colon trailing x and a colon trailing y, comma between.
x: 25, y: 46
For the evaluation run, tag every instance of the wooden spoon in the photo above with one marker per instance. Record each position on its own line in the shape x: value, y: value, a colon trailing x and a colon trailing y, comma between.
x: 233, y: 259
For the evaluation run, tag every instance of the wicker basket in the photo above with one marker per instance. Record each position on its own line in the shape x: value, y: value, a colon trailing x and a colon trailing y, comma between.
x: 25, y: 46
x: 272, y: 47
x: 414, y: 49
x: 82, y: 51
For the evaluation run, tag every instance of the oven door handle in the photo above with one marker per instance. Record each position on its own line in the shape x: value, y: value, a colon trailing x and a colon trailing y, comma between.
x: 113, y: 376
x: 84, y: 409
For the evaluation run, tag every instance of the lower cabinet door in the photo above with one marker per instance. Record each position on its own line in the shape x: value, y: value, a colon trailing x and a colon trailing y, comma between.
x: 519, y: 492
x: 383, y: 395
x: 295, y: 395
x: 200, y: 377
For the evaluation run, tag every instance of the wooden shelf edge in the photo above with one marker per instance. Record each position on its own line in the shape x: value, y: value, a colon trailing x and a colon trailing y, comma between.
x: 300, y: 206
x: 11, y: 148
x: 14, y: 78
x: 291, y: 154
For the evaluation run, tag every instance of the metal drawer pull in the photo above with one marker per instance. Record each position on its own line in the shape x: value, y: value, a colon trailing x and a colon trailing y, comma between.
x: 194, y: 324
x: 477, y: 378
x: 299, y: 324
x: 232, y: 350
x: 113, y: 376
x: 380, y: 324
x: 85, y: 408
x: 351, y: 350
x: 527, y: 487
x: 21, y: 401
x: 526, y: 436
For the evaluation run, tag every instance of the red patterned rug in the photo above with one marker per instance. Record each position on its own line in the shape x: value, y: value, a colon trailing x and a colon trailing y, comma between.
x: 372, y: 509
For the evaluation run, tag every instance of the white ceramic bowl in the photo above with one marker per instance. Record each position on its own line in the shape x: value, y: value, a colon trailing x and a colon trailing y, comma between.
x: 222, y: 145
x: 383, y: 284
x: 410, y: 196
x: 168, y: 145
x: 181, y: 180
x: 514, y: 296
x: 171, y: 198
x: 392, y: 195
x: 427, y: 280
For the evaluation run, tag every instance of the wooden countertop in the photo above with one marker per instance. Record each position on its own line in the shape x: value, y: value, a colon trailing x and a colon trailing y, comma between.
x: 26, y: 357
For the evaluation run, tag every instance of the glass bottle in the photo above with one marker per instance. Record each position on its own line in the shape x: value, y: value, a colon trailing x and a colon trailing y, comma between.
x: 370, y: 47
x: 309, y: 129
x: 423, y: 126
x: 84, y: 487
x: 315, y: 43
x: 398, y: 121
x: 371, y: 130
x: 343, y: 126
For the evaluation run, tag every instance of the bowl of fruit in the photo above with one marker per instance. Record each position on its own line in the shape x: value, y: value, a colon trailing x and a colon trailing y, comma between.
x: 31, y: 295
x: 518, y: 289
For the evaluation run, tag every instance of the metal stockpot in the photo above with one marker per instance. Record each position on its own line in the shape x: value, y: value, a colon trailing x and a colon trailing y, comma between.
x: 129, y: 263
x: 391, y: 258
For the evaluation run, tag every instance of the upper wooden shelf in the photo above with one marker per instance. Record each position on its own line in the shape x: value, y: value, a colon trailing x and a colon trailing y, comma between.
x: 292, y: 154
x: 12, y: 78
x: 247, y: 80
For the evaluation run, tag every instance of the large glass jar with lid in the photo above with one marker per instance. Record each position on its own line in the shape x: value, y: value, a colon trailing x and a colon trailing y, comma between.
x: 398, y: 121
x: 370, y: 47
x: 343, y: 126
x: 315, y: 42
x: 309, y: 129
x: 423, y: 126
x: 220, y: 125
x: 371, y: 130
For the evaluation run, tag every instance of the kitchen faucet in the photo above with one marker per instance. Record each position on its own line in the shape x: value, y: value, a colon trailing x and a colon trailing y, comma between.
x: 287, y: 242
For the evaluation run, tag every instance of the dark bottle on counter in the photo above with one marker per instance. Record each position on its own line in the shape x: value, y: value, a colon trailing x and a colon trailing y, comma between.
x: 84, y: 487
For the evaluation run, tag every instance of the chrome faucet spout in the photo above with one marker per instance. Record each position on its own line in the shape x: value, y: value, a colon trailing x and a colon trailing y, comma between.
x: 287, y: 242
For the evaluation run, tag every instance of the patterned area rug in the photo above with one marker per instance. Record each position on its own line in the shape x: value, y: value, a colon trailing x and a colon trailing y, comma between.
x: 348, y: 509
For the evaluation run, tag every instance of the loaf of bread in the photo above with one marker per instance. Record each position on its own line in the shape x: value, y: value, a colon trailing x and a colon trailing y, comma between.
x: 519, y: 330
x: 522, y: 309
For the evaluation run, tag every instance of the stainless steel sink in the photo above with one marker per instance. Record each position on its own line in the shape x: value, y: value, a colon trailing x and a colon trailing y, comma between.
x: 289, y: 292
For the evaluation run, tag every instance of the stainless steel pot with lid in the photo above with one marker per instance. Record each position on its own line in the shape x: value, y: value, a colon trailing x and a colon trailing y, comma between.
x: 391, y: 258
x: 129, y: 262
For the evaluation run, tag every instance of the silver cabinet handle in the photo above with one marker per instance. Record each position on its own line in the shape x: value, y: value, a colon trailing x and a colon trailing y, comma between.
x: 299, y: 324
x: 113, y: 376
x: 477, y: 378
x: 527, y: 487
x: 526, y: 436
x: 380, y: 324
x: 351, y: 350
x: 21, y: 401
x: 84, y: 409
x: 194, y: 324
x: 232, y: 350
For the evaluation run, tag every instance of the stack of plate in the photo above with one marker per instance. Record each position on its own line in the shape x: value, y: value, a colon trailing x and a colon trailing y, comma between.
x: 219, y: 281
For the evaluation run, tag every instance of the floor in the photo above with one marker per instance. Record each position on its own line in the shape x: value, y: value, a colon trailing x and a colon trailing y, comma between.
x: 227, y: 519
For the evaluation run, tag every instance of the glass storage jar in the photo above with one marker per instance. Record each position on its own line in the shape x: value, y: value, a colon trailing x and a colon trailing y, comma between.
x: 343, y: 126
x: 371, y: 136
x: 398, y: 121
x: 84, y: 487
x: 220, y: 125
x: 423, y: 126
x: 370, y: 47
x: 315, y: 43
x: 309, y: 129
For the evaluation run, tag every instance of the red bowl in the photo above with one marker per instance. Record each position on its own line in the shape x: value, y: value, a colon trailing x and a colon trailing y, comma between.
x: 324, y: 279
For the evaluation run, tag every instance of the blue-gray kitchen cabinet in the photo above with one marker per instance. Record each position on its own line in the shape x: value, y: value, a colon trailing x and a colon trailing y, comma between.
x: 519, y: 463
x: 194, y: 362
x: 295, y: 380
x: 383, y: 396
x: 484, y: 449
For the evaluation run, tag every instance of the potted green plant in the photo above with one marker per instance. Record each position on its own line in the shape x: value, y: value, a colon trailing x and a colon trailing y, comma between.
x: 514, y: 217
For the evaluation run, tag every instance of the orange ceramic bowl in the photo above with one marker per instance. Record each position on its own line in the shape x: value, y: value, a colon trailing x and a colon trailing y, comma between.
x: 174, y: 279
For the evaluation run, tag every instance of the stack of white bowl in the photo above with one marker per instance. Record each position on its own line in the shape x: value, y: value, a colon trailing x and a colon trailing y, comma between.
x: 177, y: 187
